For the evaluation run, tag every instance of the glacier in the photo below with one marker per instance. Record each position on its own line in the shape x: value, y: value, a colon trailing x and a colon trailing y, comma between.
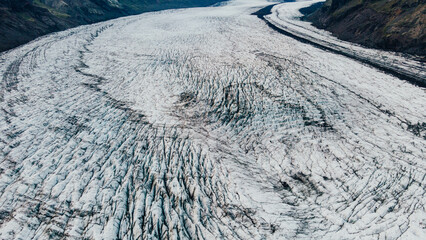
x: 205, y: 123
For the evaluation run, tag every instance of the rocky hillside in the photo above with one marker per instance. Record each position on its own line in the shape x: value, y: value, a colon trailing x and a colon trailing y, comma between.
x: 398, y: 25
x: 23, y: 20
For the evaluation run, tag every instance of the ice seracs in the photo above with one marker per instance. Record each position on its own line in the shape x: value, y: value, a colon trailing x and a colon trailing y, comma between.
x: 205, y: 123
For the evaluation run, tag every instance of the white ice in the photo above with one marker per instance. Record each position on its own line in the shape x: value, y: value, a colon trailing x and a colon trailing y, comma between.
x: 205, y: 123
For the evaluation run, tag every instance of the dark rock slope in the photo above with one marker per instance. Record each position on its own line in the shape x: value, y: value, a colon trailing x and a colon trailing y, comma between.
x: 398, y: 25
x: 24, y: 20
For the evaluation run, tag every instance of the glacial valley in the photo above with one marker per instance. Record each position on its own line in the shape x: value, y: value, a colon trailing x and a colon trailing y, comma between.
x: 206, y: 123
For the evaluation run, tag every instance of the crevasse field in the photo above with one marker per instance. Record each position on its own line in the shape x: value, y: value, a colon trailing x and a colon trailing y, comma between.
x: 205, y: 123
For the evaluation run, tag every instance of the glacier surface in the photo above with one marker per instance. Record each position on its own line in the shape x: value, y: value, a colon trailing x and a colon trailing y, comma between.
x: 205, y: 123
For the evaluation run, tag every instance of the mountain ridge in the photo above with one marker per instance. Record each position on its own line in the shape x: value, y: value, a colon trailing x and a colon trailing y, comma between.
x: 396, y: 25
